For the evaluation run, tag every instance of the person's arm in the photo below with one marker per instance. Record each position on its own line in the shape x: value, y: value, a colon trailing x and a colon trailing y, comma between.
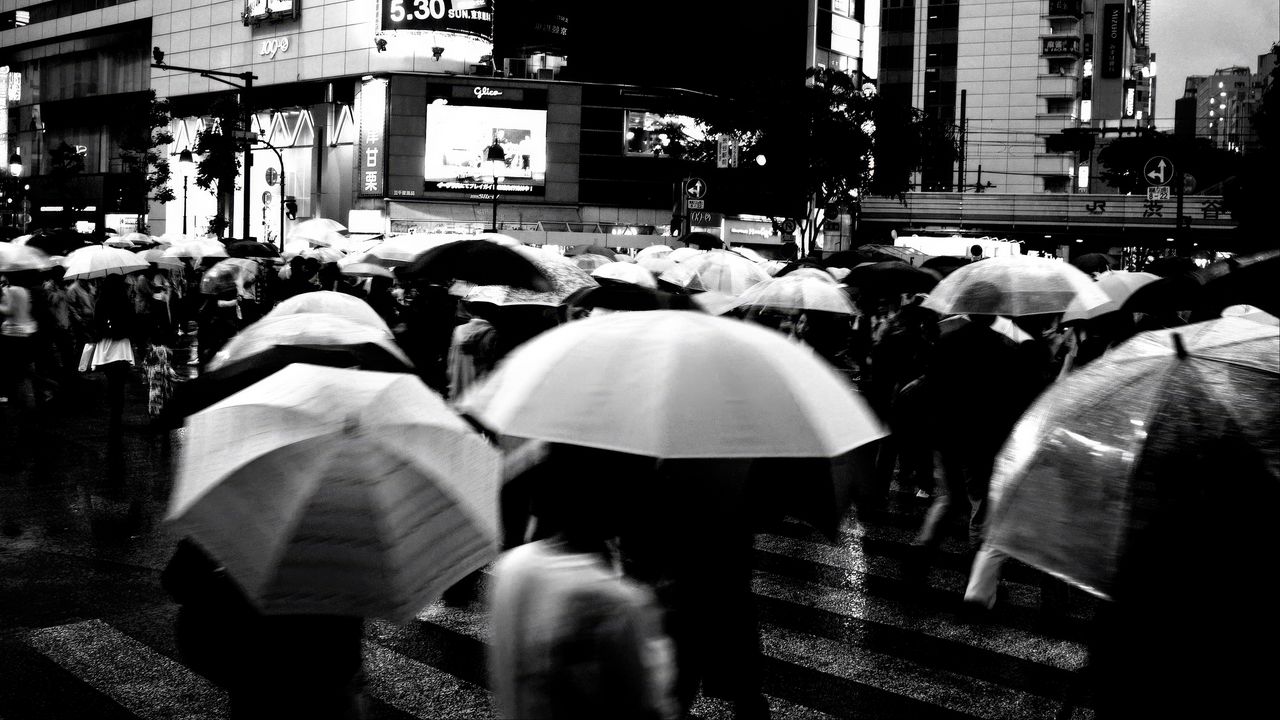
x: 639, y: 661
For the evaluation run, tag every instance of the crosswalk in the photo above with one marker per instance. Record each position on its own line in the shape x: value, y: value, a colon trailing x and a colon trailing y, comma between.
x: 841, y: 634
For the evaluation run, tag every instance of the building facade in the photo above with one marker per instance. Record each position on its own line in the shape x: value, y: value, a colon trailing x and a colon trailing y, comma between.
x: 1220, y: 106
x: 1011, y: 74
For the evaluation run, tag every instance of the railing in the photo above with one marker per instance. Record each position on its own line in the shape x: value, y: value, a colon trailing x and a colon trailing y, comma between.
x: 1050, y: 209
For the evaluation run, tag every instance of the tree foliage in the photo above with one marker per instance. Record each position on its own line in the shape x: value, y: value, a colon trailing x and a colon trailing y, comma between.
x: 1250, y: 194
x: 143, y: 149
x: 219, y: 163
x: 1122, y: 161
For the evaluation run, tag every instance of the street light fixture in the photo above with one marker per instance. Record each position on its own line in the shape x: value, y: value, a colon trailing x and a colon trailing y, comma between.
x: 15, y: 164
x: 495, y: 155
x: 185, y: 160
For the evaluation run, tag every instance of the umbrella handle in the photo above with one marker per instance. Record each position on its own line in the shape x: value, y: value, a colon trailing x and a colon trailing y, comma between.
x: 1179, y: 347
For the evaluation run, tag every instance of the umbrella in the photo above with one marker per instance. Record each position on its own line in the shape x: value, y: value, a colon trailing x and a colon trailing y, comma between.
x: 797, y: 294
x: 1094, y: 263
x: 591, y: 250
x: 773, y: 267
x: 892, y: 277
x: 306, y: 328
x: 197, y: 249
x: 365, y: 270
x: 251, y: 248
x: 1103, y: 452
x: 329, y: 302
x: 294, y: 248
x: 681, y: 254
x: 625, y: 273
x: 230, y: 274
x: 58, y: 241
x: 703, y: 240
x: 682, y: 278
x: 657, y: 265
x: 565, y: 278
x: 156, y: 257
x: 1249, y: 280
x: 340, y: 492
x: 1014, y: 286
x: 402, y: 250
x: 321, y: 232
x: 1119, y: 286
x: 882, y: 253
x: 944, y: 265
x: 813, y: 273
x: 120, y: 242
x: 214, y: 385
x: 623, y: 257
x: 324, y: 254
x: 97, y: 261
x: 839, y: 273
x: 590, y: 261
x: 749, y: 254
x: 726, y: 272
x: 19, y: 258
x: 1250, y: 312
x: 627, y: 297
x: 481, y: 262
x: 653, y: 252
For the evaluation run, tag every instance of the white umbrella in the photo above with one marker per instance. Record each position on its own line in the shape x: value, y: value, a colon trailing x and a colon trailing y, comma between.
x: 773, y: 267
x: 22, y: 239
x: 812, y: 274
x: 324, y: 254
x: 657, y: 265
x: 1118, y: 286
x: 321, y: 232
x: 684, y: 253
x: 365, y: 269
x: 682, y: 277
x: 749, y: 254
x: 653, y: 252
x: 725, y: 271
x: 729, y: 389
x: 97, y: 261
x: 1015, y: 285
x: 402, y: 250
x: 564, y: 274
x: 307, y: 328
x: 16, y: 258
x: 797, y: 294
x: 293, y: 248
x: 626, y: 273
x: 331, y: 303
x: 197, y: 249
x: 341, y: 492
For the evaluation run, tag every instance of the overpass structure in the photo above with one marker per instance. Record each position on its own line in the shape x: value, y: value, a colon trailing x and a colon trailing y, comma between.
x: 1052, y: 219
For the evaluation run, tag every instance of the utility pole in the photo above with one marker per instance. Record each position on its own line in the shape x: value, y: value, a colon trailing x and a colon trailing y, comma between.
x: 963, y: 102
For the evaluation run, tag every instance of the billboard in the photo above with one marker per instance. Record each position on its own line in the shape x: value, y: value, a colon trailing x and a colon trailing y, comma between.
x: 371, y: 108
x: 462, y: 17
x: 260, y: 11
x: 457, y: 146
x: 1113, y: 32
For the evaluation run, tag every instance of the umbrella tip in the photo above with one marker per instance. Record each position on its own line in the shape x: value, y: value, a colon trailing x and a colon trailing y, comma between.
x: 1179, y: 347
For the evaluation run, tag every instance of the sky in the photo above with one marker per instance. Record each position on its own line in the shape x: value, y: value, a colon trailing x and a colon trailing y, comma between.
x: 1196, y: 37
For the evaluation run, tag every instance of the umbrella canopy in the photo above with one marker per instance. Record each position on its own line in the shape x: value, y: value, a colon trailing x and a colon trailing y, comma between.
x: 294, y: 248
x: 681, y: 278
x: 156, y: 257
x: 1119, y: 286
x: 323, y: 253
x: 773, y: 267
x: 892, y: 277
x: 839, y: 273
x: 481, y: 262
x: 812, y: 273
x: 944, y: 265
x: 340, y: 492
x: 1015, y: 286
x: 703, y: 240
x: 625, y: 273
x: 565, y: 278
x: 1098, y: 456
x: 1246, y: 280
x: 749, y: 254
x: 591, y: 250
x: 57, y: 241
x: 97, y: 261
x: 402, y: 250
x: 321, y: 232
x: 882, y: 253
x: 682, y: 254
x: 653, y: 252
x: 726, y: 272
x: 657, y: 265
x: 197, y: 249
x: 590, y: 261
x: 792, y: 294
x: 230, y: 274
x: 329, y: 302
x: 1094, y: 263
x: 19, y: 258
x: 627, y: 297
x: 308, y: 328
x: 366, y: 270
x: 251, y: 248
x: 729, y: 390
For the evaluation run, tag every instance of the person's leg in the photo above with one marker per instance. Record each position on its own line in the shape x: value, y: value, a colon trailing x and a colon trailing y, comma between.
x: 984, y: 577
x: 978, y: 468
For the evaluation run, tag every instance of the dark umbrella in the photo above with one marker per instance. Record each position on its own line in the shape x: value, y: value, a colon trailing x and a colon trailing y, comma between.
x: 797, y: 264
x: 215, y: 385
x: 58, y: 241
x: 882, y: 253
x: 591, y: 250
x: 847, y: 259
x: 480, y: 262
x: 891, y: 277
x: 1250, y: 280
x: 251, y: 248
x: 1094, y: 263
x: 944, y: 265
x: 1170, y: 266
x: 628, y: 297
x: 705, y: 241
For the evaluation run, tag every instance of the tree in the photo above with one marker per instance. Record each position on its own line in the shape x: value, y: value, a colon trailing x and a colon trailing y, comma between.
x: 1250, y: 195
x: 146, y: 166
x: 1123, y: 161
x: 219, y: 164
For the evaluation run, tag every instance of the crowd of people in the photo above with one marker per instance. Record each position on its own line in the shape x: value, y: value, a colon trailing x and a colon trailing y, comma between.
x: 591, y: 617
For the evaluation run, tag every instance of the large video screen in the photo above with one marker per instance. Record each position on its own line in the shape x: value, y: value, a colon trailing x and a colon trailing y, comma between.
x: 259, y: 11
x: 457, y: 149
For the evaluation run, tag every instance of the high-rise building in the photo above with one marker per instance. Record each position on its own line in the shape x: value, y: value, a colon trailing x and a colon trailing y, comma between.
x: 1220, y: 106
x: 1011, y: 74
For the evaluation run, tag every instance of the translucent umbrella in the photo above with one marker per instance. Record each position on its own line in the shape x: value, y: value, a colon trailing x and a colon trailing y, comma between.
x: 626, y: 273
x: 810, y: 272
x: 324, y: 254
x: 402, y: 250
x: 197, y: 249
x: 321, y: 232
x: 657, y: 265
x: 304, y: 329
x: 749, y: 254
x: 797, y: 294
x: 773, y: 267
x: 653, y: 252
x: 18, y: 258
x: 564, y: 276
x: 230, y: 274
x: 1119, y: 287
x: 1014, y: 286
x: 590, y: 261
x: 726, y: 272
x: 728, y: 389
x: 681, y: 254
x: 365, y: 270
x: 1102, y: 453
x: 332, y: 303
x: 683, y: 278
x: 332, y: 491
x: 98, y: 261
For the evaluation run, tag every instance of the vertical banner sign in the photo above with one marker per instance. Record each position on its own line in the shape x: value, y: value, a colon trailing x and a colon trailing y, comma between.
x: 1112, y: 40
x: 371, y: 156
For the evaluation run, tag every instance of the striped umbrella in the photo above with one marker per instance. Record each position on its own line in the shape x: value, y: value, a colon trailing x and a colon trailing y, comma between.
x: 797, y: 294
x: 1014, y: 286
x: 726, y: 272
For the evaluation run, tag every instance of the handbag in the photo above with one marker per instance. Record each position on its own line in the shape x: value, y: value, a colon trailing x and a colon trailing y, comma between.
x: 86, y: 356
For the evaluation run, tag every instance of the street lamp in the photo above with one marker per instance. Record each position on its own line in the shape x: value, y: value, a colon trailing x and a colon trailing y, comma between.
x: 284, y: 199
x: 15, y: 164
x: 495, y: 155
x: 185, y: 160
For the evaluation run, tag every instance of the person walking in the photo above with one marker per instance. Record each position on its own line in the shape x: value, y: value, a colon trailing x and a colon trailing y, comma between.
x: 18, y: 339
x: 114, y: 320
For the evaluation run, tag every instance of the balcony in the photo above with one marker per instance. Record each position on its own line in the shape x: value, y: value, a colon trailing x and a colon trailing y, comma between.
x: 1066, y: 8
x: 1052, y: 124
x: 1060, y: 46
x: 1058, y: 86
x: 1054, y: 165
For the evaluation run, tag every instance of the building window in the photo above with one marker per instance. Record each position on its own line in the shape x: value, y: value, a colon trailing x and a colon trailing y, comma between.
x: 1057, y: 183
x: 1060, y: 106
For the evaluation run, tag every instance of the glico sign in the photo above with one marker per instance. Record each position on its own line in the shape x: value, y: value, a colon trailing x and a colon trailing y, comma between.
x: 463, y: 17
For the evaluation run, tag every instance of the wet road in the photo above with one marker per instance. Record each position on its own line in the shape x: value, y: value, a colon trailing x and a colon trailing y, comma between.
x: 86, y: 631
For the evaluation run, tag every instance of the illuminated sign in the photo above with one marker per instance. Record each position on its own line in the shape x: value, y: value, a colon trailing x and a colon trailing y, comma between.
x: 257, y: 12
x: 457, y: 146
x: 1061, y: 46
x: 1112, y: 40
x: 484, y: 92
x: 464, y: 17
x: 371, y: 107
x: 647, y: 133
